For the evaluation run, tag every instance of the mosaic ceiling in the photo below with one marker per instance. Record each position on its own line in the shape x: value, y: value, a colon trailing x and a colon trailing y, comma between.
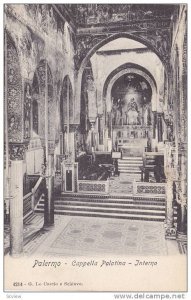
x: 96, y: 14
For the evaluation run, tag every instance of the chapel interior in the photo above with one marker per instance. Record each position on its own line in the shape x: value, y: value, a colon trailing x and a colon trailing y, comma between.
x: 95, y: 129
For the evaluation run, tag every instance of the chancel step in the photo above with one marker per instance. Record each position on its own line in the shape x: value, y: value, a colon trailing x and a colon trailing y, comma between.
x: 134, y: 209
x: 131, y: 166
x: 132, y: 158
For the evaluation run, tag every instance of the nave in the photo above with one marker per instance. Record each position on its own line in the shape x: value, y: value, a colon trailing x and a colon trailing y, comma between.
x: 95, y: 139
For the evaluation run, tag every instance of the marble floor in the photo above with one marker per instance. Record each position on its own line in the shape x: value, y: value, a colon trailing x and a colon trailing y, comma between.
x: 121, y: 184
x: 87, y: 236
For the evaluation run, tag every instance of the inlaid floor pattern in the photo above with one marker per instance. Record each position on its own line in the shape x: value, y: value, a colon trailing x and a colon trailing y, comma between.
x: 99, y: 236
x: 78, y: 236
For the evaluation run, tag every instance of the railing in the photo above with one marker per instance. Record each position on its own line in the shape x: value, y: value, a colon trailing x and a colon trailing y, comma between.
x: 93, y: 186
x: 29, y: 182
x: 27, y: 208
x: 31, y: 199
x: 37, y: 192
x: 149, y: 188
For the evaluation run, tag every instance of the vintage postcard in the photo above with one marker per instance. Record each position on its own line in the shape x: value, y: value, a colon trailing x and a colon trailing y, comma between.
x: 95, y: 147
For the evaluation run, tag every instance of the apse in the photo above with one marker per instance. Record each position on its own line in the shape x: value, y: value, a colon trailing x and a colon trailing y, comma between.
x: 131, y: 100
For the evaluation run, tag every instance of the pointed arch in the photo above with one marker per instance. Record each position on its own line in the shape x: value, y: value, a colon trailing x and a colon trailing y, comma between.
x: 114, y: 37
x: 105, y: 41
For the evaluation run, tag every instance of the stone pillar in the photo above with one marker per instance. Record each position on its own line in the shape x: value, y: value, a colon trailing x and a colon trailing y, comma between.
x: 16, y: 208
x: 181, y: 222
x: 169, y: 220
x: 92, y: 135
x: 100, y: 129
x: 170, y: 172
x: 72, y: 142
x: 182, y: 197
x: 49, y: 195
x: 109, y: 125
x: 75, y: 177
x: 159, y: 127
x: 61, y: 143
x: 154, y: 124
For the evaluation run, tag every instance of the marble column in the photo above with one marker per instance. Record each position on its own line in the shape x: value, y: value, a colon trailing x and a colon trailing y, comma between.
x: 109, y: 125
x: 100, y: 129
x: 181, y: 222
x: 169, y: 220
x: 16, y: 208
x: 75, y: 177
x: 49, y: 195
x: 61, y: 143
x: 92, y: 132
x: 170, y: 173
x: 154, y: 124
x: 72, y: 144
x: 182, y: 195
x: 159, y: 127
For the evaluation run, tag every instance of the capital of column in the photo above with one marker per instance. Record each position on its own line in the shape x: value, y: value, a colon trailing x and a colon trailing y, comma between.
x: 74, y: 127
x: 100, y: 116
x: 160, y: 114
x: 17, y: 150
x: 92, y: 124
x: 51, y: 147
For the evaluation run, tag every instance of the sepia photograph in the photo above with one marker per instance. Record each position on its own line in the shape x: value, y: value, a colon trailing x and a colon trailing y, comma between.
x: 95, y: 147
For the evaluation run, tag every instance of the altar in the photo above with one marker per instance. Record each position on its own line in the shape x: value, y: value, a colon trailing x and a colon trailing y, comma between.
x: 131, y: 140
x: 132, y: 116
x: 133, y: 147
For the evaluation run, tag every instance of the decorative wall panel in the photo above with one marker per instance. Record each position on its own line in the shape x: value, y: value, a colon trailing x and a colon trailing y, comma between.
x: 14, y: 93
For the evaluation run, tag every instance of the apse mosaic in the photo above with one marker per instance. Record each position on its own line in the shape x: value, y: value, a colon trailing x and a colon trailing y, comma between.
x: 131, y: 98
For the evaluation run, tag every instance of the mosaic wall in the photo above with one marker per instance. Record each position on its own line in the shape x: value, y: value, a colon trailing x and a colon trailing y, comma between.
x: 14, y: 93
x: 88, y: 14
x: 40, y: 33
x: 27, y: 111
x: 45, y: 82
x: 66, y: 92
